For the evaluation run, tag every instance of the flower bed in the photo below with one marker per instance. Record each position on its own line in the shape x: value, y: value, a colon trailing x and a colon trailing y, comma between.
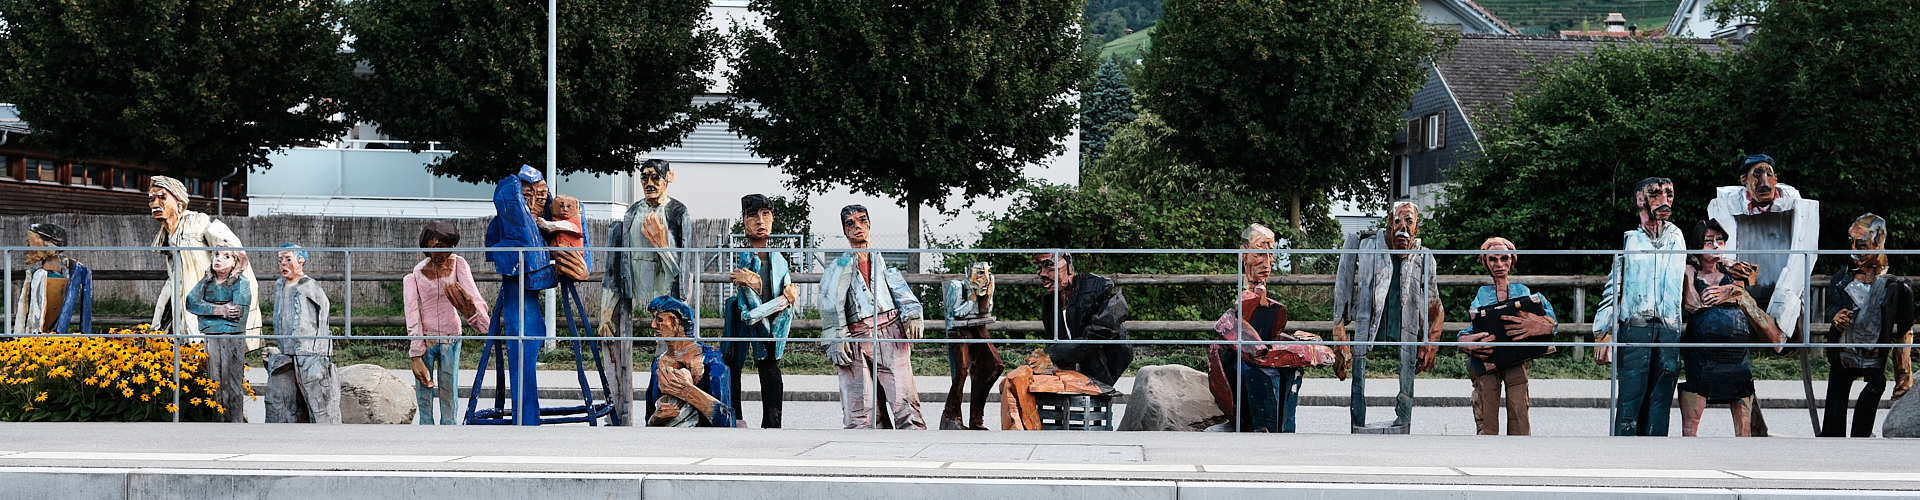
x: 66, y: 378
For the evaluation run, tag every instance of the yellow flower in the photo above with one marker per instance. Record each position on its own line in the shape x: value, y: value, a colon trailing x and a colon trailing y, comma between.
x: 146, y: 397
x: 171, y: 408
x: 194, y: 401
x: 41, y: 397
x: 126, y: 392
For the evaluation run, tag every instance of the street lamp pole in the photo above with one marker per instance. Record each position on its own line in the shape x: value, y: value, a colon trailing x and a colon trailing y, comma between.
x: 553, y: 147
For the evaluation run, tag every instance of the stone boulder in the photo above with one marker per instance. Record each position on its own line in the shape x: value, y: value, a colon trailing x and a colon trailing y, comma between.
x: 1170, y: 398
x: 1903, y: 421
x: 370, y: 394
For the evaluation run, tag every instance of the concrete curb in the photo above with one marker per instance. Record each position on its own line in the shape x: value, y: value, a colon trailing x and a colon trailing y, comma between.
x: 198, y: 484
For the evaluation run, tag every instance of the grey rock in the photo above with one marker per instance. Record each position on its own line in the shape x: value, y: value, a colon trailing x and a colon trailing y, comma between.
x: 1170, y: 398
x: 1903, y: 421
x: 371, y: 395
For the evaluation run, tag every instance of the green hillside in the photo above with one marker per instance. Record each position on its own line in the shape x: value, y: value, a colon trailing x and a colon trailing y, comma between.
x: 1130, y: 46
x: 1551, y: 16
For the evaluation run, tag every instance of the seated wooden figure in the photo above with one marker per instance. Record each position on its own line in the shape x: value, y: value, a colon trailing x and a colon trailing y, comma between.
x: 1089, y: 307
x: 690, y: 380
x: 1258, y: 385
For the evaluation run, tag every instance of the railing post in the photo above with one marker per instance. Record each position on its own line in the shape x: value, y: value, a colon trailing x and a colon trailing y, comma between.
x: 348, y: 328
x: 1579, y: 316
x: 7, y: 308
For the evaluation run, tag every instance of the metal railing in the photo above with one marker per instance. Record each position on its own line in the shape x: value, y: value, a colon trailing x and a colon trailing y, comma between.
x: 1579, y: 284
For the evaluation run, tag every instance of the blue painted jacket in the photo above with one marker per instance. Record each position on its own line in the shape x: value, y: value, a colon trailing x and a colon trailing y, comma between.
x: 1644, y: 287
x: 750, y: 317
x: 513, y: 226
x: 845, y: 298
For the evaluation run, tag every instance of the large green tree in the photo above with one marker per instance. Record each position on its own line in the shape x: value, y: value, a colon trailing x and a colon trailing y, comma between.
x: 1828, y: 90
x: 1296, y: 98
x: 201, y: 87
x: 1831, y: 90
x: 472, y: 74
x: 1560, y: 173
x: 916, y: 101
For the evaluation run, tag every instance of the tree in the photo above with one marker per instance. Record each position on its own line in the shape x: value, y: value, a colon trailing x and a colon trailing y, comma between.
x: 917, y: 101
x: 1295, y: 98
x: 1560, y: 173
x: 472, y: 74
x: 1107, y: 105
x: 1830, y: 90
x: 199, y: 87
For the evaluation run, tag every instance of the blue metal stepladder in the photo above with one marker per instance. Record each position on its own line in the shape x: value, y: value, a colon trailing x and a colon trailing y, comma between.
x: 577, y: 326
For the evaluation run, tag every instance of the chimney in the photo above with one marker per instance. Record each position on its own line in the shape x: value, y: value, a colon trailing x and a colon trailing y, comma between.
x: 1616, y: 22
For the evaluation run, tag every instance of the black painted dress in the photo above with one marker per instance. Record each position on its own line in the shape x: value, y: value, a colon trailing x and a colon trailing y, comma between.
x: 1721, y: 374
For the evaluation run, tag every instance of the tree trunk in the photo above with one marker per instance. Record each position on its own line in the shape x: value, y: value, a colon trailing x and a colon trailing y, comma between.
x: 1296, y: 211
x: 913, y: 236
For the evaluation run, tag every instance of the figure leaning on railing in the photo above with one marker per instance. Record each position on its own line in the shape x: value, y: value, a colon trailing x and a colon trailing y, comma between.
x: 56, y: 287
x: 1389, y: 298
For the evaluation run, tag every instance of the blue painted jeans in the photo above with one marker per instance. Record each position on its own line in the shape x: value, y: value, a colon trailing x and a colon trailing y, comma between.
x: 520, y: 311
x: 1269, y: 397
x: 443, y: 365
x: 1647, y: 379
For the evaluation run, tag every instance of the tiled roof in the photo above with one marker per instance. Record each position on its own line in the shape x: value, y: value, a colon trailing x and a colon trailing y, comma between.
x: 1483, y: 70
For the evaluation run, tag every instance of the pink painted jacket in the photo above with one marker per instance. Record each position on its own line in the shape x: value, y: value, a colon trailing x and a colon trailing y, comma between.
x: 430, y: 314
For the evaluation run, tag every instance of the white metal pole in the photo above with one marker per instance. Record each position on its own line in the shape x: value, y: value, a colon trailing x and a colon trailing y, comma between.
x: 553, y: 148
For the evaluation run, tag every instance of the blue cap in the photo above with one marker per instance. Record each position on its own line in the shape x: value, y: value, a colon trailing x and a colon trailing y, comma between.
x: 531, y: 175
x: 1752, y: 160
x: 668, y: 304
x: 301, y: 253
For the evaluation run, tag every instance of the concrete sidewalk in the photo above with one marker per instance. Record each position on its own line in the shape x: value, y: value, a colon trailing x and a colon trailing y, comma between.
x: 1550, y: 393
x: 292, y: 461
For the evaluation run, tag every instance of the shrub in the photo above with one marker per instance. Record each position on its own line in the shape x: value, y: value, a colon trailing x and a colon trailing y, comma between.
x: 64, y: 378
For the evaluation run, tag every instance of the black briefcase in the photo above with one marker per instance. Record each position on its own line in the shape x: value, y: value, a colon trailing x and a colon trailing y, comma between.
x: 1493, y: 319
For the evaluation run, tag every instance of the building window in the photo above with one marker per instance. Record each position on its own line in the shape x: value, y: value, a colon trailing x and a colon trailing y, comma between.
x: 84, y: 175
x: 195, y: 187
x: 6, y: 167
x: 42, y: 171
x: 1434, y: 131
x: 1416, y: 141
x: 128, y: 179
x: 1402, y: 177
